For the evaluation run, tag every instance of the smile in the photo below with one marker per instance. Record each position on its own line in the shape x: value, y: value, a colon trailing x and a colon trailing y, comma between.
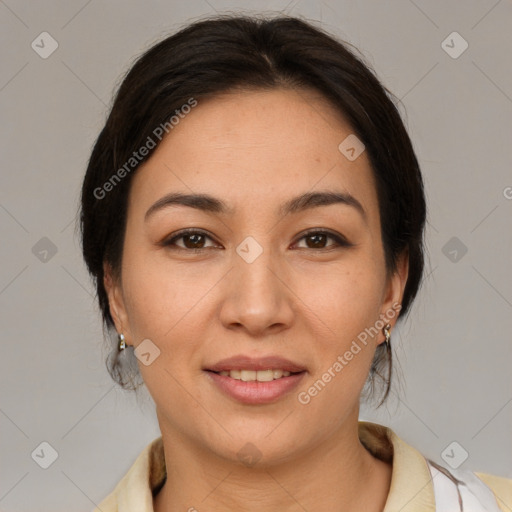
x: 253, y: 375
x: 253, y: 387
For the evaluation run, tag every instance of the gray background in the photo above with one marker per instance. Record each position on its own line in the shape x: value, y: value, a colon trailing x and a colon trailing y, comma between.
x: 454, y: 351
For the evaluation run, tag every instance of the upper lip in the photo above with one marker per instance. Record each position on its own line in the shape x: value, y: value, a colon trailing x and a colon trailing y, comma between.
x: 243, y: 362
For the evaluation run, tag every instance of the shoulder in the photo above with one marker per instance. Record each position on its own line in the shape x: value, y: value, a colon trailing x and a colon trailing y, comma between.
x: 418, y: 484
x: 411, y: 487
x: 134, y: 493
x: 501, y: 488
x: 109, y: 504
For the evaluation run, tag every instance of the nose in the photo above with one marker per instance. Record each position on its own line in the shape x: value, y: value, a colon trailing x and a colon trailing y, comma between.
x: 258, y: 296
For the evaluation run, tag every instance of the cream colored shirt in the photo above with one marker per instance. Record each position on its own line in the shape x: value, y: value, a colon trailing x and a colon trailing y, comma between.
x: 411, y: 483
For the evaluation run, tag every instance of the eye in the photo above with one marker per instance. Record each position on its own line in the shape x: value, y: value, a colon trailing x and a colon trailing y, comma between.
x: 317, y: 239
x: 193, y: 239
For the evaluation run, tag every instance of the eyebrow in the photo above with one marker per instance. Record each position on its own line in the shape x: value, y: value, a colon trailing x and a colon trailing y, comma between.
x: 208, y: 203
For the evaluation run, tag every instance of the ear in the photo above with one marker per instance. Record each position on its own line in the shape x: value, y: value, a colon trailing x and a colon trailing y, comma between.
x: 395, y: 287
x: 115, y: 299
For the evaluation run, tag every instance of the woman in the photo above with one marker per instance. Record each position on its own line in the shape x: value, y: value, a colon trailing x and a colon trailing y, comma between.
x: 253, y: 217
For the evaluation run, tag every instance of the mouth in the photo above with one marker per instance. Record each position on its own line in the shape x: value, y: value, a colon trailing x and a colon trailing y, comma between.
x: 256, y: 375
x: 253, y: 391
x: 246, y: 365
x: 255, y: 381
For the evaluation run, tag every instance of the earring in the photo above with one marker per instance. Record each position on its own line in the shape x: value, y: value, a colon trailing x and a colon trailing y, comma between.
x: 387, y: 334
x: 121, y: 342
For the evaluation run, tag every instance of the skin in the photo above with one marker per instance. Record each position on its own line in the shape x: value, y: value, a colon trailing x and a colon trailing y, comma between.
x: 306, y: 302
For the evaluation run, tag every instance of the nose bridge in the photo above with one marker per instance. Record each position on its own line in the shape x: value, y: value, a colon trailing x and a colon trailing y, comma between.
x: 255, y: 268
x: 257, y: 297
x: 255, y: 272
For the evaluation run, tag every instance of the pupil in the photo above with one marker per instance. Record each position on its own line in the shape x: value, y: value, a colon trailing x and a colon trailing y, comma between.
x: 194, y: 239
x: 316, y: 243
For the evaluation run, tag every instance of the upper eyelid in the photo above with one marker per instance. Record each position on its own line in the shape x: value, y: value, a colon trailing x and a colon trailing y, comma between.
x: 308, y: 232
x: 185, y: 232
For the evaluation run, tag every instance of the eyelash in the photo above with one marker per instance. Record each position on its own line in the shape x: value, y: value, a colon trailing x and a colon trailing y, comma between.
x: 169, y: 242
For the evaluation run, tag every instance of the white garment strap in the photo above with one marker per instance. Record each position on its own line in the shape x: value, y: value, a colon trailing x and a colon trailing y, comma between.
x: 460, y: 491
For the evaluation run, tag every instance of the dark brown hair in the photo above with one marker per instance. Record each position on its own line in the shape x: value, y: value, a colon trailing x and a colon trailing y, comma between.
x: 224, y: 53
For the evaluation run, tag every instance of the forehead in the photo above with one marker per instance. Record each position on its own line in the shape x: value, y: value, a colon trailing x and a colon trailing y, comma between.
x: 254, y: 146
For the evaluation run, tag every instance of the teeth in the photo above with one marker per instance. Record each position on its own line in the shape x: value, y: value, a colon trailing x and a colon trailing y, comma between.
x: 265, y: 375
x: 247, y: 375
x: 252, y: 375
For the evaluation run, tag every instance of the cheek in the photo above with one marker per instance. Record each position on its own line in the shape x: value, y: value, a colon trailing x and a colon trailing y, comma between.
x: 163, y: 305
x: 343, y: 352
x: 346, y: 298
x: 160, y: 294
x: 344, y: 308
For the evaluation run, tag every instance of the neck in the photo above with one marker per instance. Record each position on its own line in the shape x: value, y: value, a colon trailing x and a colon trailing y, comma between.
x: 337, y: 474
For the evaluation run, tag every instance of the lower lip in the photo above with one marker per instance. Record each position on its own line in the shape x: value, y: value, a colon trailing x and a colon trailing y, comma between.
x: 255, y: 392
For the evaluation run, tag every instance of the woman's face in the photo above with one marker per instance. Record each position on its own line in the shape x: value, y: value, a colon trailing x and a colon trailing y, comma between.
x: 267, y: 278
